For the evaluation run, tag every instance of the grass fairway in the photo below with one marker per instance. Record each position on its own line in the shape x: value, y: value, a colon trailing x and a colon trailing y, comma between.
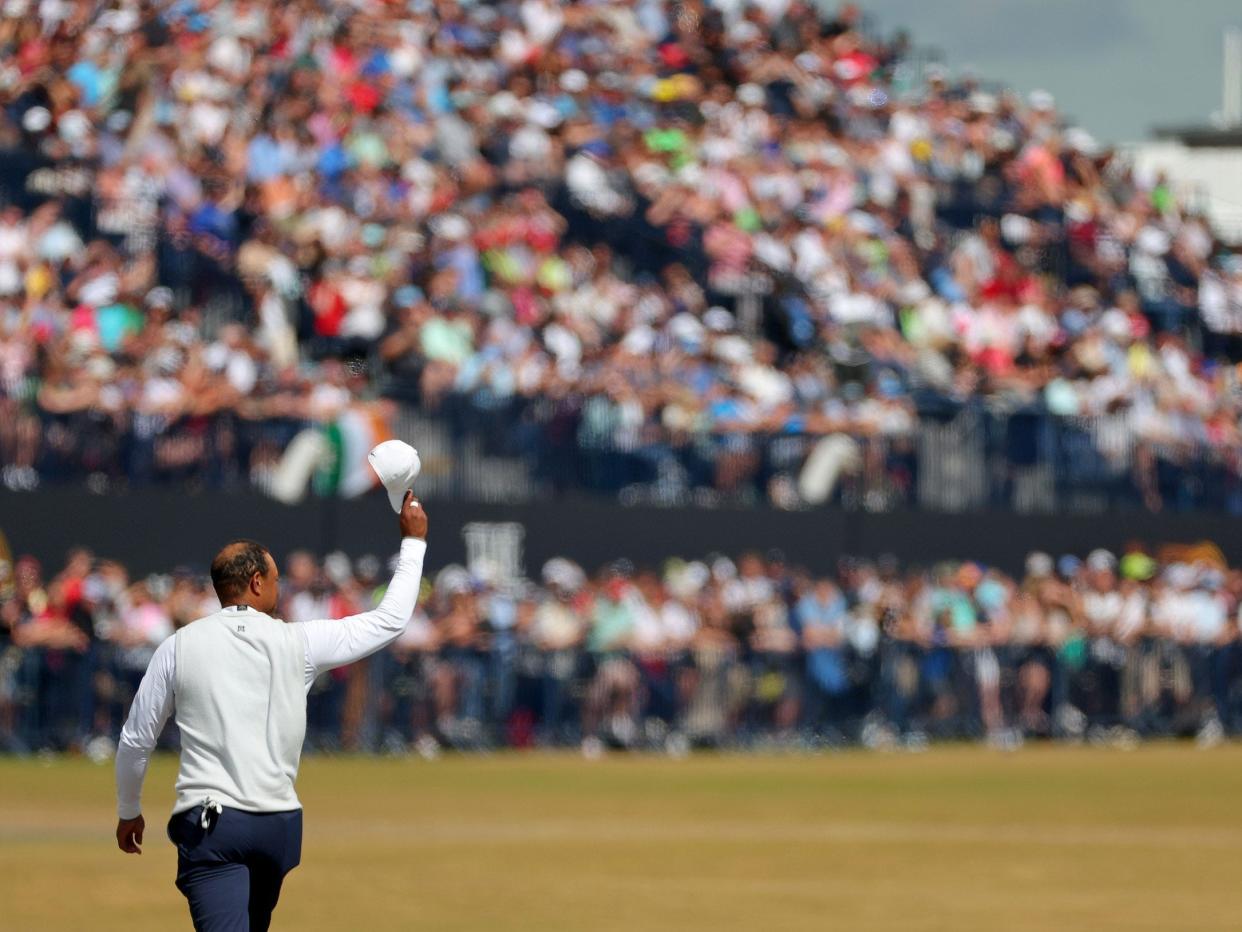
x: 954, y: 839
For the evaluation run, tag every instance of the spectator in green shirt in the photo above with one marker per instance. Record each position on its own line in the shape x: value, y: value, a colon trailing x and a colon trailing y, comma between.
x: 610, y: 711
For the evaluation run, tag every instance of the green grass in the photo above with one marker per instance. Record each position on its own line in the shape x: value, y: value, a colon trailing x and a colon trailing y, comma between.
x: 955, y: 839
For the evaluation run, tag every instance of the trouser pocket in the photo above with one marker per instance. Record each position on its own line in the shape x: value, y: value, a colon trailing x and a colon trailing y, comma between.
x: 185, y: 828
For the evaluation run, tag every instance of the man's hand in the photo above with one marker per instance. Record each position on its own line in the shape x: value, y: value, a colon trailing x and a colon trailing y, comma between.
x: 129, y: 835
x: 413, y: 519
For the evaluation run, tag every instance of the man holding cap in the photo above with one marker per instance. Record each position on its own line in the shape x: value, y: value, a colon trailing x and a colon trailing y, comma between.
x: 237, y: 682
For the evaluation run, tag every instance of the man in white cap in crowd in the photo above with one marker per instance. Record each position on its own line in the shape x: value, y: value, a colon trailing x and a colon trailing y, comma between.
x: 237, y: 682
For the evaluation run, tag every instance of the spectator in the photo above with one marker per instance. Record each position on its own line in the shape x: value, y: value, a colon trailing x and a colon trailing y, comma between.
x: 739, y: 260
x: 631, y: 658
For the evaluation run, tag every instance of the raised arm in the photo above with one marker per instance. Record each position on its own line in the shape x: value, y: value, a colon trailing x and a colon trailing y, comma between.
x: 336, y: 642
x: 153, y: 703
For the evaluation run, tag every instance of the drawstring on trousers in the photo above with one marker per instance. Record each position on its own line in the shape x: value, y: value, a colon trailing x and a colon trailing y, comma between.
x: 211, y: 813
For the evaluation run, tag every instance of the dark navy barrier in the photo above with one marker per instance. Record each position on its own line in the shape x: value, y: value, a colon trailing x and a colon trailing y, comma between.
x: 157, y: 530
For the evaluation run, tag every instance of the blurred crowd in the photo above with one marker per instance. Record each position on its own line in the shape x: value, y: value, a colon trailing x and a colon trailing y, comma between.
x: 748, y: 653
x: 657, y: 231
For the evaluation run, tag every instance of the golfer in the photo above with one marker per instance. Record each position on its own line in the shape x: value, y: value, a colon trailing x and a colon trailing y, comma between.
x: 237, y: 681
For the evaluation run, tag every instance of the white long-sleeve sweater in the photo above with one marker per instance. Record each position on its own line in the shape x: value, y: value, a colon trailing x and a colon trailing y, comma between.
x: 237, y: 682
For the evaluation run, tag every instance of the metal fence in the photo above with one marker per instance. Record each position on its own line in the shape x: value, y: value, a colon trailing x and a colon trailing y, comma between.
x: 955, y: 458
x: 712, y: 694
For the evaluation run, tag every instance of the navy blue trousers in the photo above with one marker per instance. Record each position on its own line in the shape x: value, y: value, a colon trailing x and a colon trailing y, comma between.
x: 231, y: 873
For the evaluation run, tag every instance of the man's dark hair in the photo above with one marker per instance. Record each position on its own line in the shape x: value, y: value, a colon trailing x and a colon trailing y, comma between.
x: 234, y: 565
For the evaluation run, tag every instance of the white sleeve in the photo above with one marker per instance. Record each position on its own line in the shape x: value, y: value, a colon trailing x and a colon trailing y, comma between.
x: 153, y: 703
x: 336, y: 642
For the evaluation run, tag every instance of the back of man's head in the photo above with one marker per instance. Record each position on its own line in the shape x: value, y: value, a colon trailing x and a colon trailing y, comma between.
x: 233, y: 568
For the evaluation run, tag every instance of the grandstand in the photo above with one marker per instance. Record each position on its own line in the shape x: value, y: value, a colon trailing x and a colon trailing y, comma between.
x: 778, y: 389
x: 685, y: 256
x: 693, y: 255
x: 714, y: 254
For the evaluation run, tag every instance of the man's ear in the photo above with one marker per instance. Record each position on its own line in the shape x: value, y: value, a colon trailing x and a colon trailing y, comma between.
x: 256, y: 583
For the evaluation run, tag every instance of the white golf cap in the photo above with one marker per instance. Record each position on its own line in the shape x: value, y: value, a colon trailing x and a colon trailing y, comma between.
x: 397, y: 465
